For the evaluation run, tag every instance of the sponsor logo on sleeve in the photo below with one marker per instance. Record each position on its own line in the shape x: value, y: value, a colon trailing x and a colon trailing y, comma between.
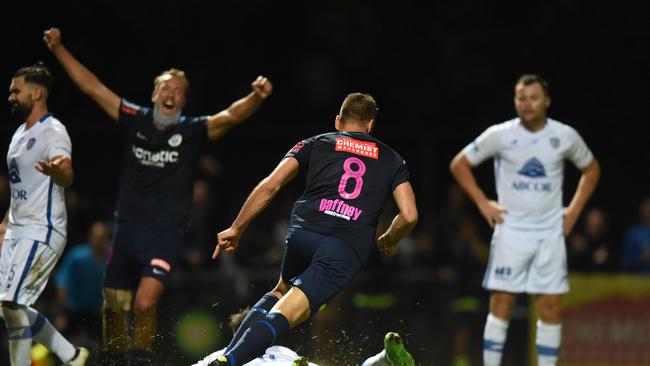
x: 130, y: 108
x: 297, y: 147
x: 361, y: 148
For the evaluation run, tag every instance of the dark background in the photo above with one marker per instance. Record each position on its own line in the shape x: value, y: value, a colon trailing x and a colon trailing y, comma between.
x: 441, y: 72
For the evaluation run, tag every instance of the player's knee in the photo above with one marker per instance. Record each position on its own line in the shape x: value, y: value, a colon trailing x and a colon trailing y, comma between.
x: 549, y: 312
x: 144, y: 305
x: 117, y: 300
x: 501, y: 304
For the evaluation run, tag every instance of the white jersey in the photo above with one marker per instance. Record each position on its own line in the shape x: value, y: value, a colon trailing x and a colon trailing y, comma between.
x: 529, y: 169
x: 275, y: 355
x: 37, y: 208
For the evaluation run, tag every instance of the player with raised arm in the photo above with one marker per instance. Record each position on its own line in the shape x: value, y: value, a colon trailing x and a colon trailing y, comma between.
x: 33, y: 231
x: 350, y: 176
x: 527, y: 253
x: 160, y: 162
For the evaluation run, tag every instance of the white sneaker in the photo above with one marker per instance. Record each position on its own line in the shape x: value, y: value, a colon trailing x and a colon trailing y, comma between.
x: 81, y: 359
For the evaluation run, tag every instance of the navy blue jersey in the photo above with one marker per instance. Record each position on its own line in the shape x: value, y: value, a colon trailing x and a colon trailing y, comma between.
x: 159, y: 168
x: 349, y: 178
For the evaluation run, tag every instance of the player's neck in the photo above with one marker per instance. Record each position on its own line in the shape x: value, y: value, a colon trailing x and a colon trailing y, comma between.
x: 37, y: 113
x: 535, y: 124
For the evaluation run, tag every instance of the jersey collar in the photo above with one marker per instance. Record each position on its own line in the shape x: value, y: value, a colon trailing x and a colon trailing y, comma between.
x: 45, y: 117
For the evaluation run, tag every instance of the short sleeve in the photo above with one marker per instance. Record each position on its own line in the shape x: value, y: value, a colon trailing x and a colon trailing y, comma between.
x: 130, y: 112
x: 578, y: 152
x: 301, y: 152
x: 402, y: 174
x: 60, y: 144
x: 484, y: 147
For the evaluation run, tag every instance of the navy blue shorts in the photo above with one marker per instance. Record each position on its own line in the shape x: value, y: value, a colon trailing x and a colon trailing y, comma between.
x: 319, y: 265
x: 141, y: 251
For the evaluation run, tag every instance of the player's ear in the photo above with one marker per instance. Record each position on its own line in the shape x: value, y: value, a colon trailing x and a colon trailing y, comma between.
x: 37, y: 94
x: 370, y: 126
x: 548, y: 102
x: 337, y: 122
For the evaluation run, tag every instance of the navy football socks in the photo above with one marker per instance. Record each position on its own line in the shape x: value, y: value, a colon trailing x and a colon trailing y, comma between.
x: 259, y: 311
x: 256, y: 339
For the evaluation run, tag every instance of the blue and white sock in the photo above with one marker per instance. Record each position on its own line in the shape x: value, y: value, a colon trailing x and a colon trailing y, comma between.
x: 45, y: 334
x: 548, y: 341
x: 494, y: 338
x: 19, y: 334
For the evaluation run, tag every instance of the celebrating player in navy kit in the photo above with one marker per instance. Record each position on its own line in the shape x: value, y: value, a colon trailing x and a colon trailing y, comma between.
x: 350, y: 176
x: 33, y: 231
x: 155, y: 196
x: 528, y: 252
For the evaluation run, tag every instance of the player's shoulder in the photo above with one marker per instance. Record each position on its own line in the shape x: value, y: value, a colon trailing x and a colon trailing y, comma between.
x: 508, y: 126
x: 55, y: 126
x: 561, y: 128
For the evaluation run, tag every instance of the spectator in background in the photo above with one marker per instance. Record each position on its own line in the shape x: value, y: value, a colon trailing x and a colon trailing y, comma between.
x: 589, y: 247
x: 79, y: 286
x: 636, y: 248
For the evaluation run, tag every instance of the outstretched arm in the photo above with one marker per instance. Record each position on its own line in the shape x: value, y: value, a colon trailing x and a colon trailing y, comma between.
x: 81, y: 76
x: 59, y: 168
x: 240, y: 110
x: 462, y: 171
x: 403, y: 223
x: 256, y: 203
x: 586, y: 187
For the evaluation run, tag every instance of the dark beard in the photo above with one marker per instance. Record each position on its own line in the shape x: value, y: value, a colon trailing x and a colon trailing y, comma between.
x: 21, y: 111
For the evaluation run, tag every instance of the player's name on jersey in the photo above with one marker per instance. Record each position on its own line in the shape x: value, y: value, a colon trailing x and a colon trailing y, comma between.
x: 339, y: 208
x: 362, y: 148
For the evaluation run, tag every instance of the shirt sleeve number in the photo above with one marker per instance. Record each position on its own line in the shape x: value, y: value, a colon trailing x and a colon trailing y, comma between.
x: 357, y: 175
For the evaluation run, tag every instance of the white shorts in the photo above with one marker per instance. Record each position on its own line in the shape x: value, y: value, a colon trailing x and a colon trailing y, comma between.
x: 527, y: 261
x: 25, y: 267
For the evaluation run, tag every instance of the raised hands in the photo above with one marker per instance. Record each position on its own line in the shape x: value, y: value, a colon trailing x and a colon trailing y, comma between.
x: 262, y: 87
x: 52, y: 38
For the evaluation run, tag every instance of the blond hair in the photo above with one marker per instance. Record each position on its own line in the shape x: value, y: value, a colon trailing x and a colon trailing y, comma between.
x: 173, y: 72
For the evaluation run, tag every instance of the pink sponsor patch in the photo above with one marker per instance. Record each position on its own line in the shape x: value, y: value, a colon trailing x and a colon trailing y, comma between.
x: 361, y: 148
x: 162, y: 264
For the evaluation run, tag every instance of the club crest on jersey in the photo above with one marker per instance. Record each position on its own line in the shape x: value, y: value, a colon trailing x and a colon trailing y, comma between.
x: 555, y: 142
x: 30, y: 143
x: 175, y: 140
x: 533, y: 169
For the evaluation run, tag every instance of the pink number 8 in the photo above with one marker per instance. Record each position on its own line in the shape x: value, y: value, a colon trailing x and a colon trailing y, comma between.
x: 357, y: 175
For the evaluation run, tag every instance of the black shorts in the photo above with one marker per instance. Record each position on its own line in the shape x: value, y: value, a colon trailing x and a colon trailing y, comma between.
x: 319, y: 265
x: 141, y: 251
